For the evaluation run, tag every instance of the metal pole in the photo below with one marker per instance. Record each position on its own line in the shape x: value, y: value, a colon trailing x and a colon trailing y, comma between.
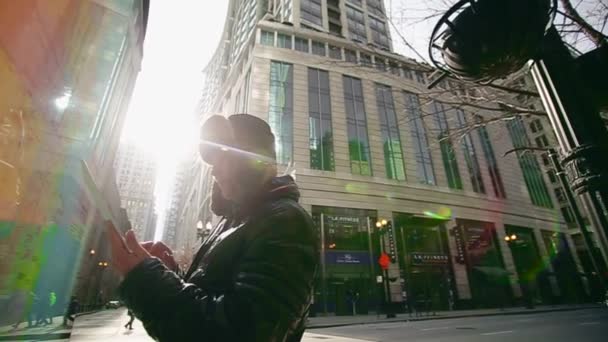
x: 323, y: 275
x: 589, y: 244
x: 371, y: 258
x: 579, y: 129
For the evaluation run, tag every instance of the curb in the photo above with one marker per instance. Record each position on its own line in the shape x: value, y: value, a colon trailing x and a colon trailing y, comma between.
x: 408, y: 319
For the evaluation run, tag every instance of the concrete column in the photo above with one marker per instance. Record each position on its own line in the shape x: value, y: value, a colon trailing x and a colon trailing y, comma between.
x: 461, y: 277
x: 542, y: 251
x: 507, y: 258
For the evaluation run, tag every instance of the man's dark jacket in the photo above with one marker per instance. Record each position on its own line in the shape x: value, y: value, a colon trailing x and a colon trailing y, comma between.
x: 251, y: 280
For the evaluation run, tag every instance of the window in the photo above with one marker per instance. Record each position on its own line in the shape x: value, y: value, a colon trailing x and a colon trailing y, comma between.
x: 552, y: 176
x: 379, y: 32
x: 356, y: 24
x: 541, y: 141
x: 393, y: 156
x: 284, y: 41
x: 321, y: 139
x: 536, y: 126
x: 350, y: 56
x: 380, y: 64
x: 419, y: 76
x: 422, y: 152
x: 335, y: 52
x: 366, y: 60
x: 568, y: 214
x: 395, y: 70
x: 311, y: 11
x: 356, y: 121
x: 529, y: 165
x: 406, y: 73
x: 318, y: 48
x: 470, y: 156
x: 280, y: 116
x: 375, y: 7
x: 267, y: 38
x: 545, y: 159
x: 356, y: 2
x: 488, y: 151
x: 447, y: 149
x: 301, y: 44
x: 559, y: 195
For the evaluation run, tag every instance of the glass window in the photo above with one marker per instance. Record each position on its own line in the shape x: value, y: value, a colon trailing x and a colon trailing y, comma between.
x: 318, y: 48
x: 284, y: 41
x: 536, y: 126
x: 319, y: 106
x: 488, y: 151
x: 533, y: 176
x: 280, y: 116
x: 356, y: 2
x: 552, y: 176
x: 350, y: 56
x: 406, y: 73
x: 311, y: 11
x: 356, y: 24
x: 395, y: 70
x: 447, y: 149
x: 366, y: 60
x: 422, y: 151
x: 568, y: 214
x: 356, y: 121
x: 301, y: 44
x: 375, y: 7
x: 541, y: 141
x: 470, y: 156
x: 335, y: 52
x: 419, y: 76
x: 380, y: 64
x: 267, y: 38
x: 393, y: 156
x: 379, y: 32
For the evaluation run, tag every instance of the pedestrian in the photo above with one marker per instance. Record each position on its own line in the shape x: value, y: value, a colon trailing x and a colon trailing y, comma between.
x: 70, y: 313
x: 130, y: 322
x: 52, y: 302
x: 251, y: 280
x: 31, y: 304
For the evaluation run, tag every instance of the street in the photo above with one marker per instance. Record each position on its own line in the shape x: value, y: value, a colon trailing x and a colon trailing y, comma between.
x: 583, y: 325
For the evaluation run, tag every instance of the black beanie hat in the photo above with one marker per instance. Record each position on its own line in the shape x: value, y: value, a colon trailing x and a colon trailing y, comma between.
x: 245, y: 134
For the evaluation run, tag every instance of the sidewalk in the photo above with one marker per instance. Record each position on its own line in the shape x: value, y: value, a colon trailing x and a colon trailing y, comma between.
x: 54, y: 330
x: 336, y: 321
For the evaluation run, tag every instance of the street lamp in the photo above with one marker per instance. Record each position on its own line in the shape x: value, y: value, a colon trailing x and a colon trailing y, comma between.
x: 92, y: 252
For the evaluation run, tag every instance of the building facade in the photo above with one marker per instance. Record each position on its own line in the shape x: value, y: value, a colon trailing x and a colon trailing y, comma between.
x: 136, y: 179
x: 68, y: 68
x: 464, y: 225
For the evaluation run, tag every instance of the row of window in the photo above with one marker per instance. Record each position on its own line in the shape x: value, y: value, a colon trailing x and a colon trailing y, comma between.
x: 314, y: 47
x: 321, y: 136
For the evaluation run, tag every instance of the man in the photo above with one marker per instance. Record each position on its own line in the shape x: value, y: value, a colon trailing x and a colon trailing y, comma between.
x: 252, y: 278
x: 71, y: 311
x: 131, y: 319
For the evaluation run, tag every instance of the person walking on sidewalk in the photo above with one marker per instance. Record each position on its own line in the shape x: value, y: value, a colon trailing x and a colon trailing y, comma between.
x: 130, y: 322
x: 252, y: 278
x: 70, y: 313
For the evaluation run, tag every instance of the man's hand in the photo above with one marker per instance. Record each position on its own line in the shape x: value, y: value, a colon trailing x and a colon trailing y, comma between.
x: 126, y: 253
x: 161, y: 251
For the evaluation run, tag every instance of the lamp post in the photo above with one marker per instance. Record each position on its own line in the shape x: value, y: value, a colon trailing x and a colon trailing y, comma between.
x: 384, y: 226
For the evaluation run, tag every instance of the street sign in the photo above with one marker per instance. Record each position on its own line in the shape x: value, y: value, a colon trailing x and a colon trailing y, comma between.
x: 460, y: 244
x: 384, y: 261
x: 379, y: 279
x: 429, y: 258
x: 391, y: 241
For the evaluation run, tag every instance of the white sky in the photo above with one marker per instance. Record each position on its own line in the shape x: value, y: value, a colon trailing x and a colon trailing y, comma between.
x: 181, y: 38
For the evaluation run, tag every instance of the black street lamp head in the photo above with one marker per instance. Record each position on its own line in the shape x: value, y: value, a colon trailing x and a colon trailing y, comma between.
x: 483, y: 40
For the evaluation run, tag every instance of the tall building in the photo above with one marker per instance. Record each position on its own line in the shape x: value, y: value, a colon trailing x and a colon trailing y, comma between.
x: 170, y: 234
x: 135, y: 176
x: 68, y: 69
x: 465, y: 227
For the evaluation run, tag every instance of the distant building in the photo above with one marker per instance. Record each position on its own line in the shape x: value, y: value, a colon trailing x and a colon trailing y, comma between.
x: 170, y: 235
x: 135, y: 176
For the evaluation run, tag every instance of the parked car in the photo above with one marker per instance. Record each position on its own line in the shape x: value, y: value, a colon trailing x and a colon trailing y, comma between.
x: 113, y: 304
